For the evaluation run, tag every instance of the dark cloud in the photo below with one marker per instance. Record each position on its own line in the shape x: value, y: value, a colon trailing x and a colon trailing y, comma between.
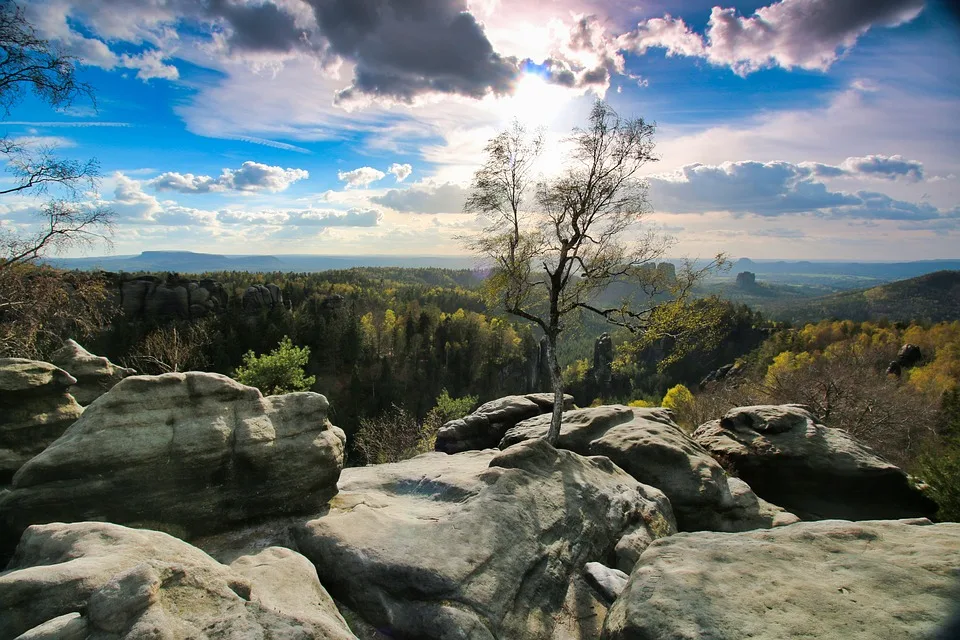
x: 773, y: 189
x: 445, y: 198
x: 259, y: 27
x: 403, y: 48
x: 761, y: 188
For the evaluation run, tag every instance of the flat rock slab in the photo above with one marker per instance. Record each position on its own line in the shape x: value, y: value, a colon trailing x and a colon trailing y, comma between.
x: 809, y: 469
x: 189, y: 453
x: 819, y: 580
x: 482, y: 544
x: 100, y: 580
x: 648, y: 445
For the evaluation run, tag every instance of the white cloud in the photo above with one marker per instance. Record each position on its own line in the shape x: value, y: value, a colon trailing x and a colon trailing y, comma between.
x: 362, y: 177
x: 400, y: 171
x: 250, y: 177
x: 149, y: 65
x: 809, y: 34
x: 424, y: 198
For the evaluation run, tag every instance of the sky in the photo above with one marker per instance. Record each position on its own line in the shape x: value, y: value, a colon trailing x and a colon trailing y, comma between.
x: 798, y: 129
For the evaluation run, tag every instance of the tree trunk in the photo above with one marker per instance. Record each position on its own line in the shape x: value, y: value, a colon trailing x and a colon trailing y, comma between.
x: 557, y: 381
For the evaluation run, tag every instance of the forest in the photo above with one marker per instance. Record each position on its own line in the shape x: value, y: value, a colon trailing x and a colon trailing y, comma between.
x: 400, y: 351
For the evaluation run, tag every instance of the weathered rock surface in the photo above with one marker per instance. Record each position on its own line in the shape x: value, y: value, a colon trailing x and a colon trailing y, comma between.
x: 95, y: 375
x: 261, y: 296
x: 130, y: 583
x: 481, y: 544
x: 484, y: 428
x: 648, y: 445
x: 173, y: 297
x: 832, y: 579
x: 811, y: 470
x: 191, y: 453
x: 35, y: 409
x: 608, y: 582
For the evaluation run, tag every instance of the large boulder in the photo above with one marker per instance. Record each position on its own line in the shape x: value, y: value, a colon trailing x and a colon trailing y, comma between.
x: 35, y: 409
x: 818, y: 580
x: 190, y: 453
x: 648, y: 445
x: 101, y: 580
x: 811, y: 470
x: 484, y: 428
x: 95, y: 375
x: 481, y: 544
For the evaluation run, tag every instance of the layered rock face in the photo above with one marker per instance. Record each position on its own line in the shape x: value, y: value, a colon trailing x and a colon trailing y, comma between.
x: 811, y: 470
x: 484, y: 428
x: 261, y: 296
x: 35, y: 409
x: 190, y: 453
x: 151, y: 297
x: 95, y: 375
x: 648, y: 445
x: 482, y: 544
x: 832, y: 579
x: 101, y: 580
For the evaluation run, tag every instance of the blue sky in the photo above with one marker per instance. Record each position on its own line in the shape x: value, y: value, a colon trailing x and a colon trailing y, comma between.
x: 821, y: 129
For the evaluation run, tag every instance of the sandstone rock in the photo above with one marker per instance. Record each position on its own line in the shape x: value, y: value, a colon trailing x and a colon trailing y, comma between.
x: 137, y: 584
x: 832, y: 579
x: 154, y: 298
x: 261, y: 296
x: 481, y: 544
x: 35, y: 409
x: 648, y: 445
x: 608, y: 582
x: 484, y: 428
x: 95, y: 375
x: 909, y: 356
x: 809, y: 469
x: 192, y: 453
x: 70, y: 626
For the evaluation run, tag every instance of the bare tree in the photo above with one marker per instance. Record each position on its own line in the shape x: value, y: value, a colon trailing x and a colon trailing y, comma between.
x: 559, y: 256
x: 30, y: 63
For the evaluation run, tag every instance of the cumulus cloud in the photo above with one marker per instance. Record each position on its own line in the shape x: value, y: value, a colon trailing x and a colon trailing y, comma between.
x: 772, y: 189
x: 134, y: 206
x: 251, y: 177
x: 424, y: 198
x: 809, y: 34
x: 310, y: 217
x: 589, y: 57
x: 329, y: 218
x: 397, y: 49
x: 400, y: 171
x: 761, y: 188
x: 362, y: 177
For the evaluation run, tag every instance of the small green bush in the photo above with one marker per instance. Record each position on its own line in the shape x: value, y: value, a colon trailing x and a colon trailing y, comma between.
x: 941, y: 472
x: 278, y: 372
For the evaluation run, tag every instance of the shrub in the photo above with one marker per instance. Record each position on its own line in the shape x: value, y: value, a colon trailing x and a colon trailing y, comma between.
x: 940, y: 470
x: 641, y: 403
x: 453, y: 408
x: 681, y: 401
x: 280, y: 371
